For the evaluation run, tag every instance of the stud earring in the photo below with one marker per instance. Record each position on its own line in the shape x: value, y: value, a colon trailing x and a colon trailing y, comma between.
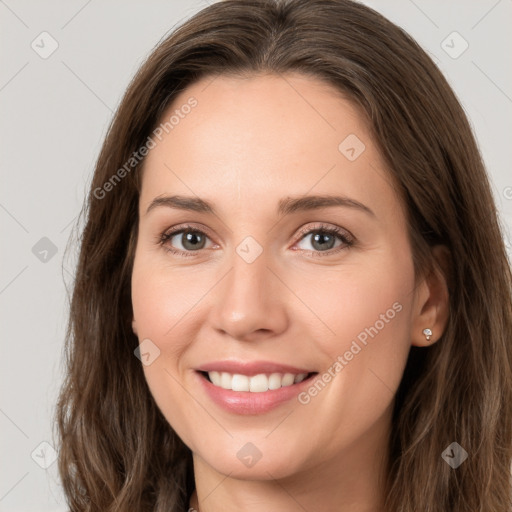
x: 427, y: 333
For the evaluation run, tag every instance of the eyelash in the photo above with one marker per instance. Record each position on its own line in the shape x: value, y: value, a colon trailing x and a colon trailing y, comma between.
x: 347, y: 239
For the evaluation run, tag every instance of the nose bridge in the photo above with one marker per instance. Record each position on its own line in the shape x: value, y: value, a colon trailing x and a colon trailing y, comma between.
x: 251, y: 253
x: 249, y: 279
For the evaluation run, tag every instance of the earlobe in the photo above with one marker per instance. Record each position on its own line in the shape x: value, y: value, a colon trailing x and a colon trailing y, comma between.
x: 432, y: 302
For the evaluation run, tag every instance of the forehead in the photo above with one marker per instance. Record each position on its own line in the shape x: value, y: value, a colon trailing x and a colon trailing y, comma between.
x: 247, y: 139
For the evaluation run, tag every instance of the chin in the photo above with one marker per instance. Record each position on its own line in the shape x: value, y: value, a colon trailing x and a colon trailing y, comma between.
x: 250, y: 463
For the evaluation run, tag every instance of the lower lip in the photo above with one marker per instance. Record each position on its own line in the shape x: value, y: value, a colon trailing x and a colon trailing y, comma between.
x: 245, y: 402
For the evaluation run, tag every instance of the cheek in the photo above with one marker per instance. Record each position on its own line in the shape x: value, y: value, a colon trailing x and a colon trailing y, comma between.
x: 167, y: 304
x: 366, y: 313
x: 159, y: 306
x: 369, y: 303
x: 161, y: 299
x: 366, y: 347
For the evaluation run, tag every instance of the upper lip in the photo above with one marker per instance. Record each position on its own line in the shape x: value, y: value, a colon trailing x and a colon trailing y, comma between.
x: 250, y: 367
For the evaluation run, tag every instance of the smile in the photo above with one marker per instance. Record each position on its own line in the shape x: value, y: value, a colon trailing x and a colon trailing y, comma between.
x: 251, y: 387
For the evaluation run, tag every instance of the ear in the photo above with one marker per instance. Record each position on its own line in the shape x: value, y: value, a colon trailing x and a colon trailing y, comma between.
x: 431, y: 304
x: 134, y: 327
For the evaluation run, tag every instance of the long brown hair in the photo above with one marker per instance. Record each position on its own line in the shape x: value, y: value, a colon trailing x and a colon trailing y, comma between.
x: 117, y: 451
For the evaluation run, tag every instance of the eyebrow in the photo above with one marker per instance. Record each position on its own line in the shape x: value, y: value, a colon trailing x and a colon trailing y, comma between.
x: 286, y: 205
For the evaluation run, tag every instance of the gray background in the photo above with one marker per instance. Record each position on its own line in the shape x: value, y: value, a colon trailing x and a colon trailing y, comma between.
x: 54, y: 115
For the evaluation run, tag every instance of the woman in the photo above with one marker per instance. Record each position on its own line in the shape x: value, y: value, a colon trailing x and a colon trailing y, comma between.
x: 292, y: 290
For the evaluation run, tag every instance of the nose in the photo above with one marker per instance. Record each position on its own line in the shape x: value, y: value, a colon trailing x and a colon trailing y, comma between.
x: 251, y: 300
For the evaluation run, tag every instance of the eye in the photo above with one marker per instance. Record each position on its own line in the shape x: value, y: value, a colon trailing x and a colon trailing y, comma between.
x: 324, y: 238
x: 192, y: 240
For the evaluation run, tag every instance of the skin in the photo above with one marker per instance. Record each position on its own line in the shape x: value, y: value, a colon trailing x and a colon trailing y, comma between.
x: 248, y: 143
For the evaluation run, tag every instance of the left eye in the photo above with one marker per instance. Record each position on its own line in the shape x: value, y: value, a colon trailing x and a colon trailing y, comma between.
x: 323, y: 240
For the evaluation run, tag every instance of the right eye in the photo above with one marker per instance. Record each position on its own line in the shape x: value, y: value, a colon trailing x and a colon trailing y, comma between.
x: 192, y: 240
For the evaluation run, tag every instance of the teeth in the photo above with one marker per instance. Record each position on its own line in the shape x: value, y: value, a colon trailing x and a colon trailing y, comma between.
x: 215, y: 378
x: 274, y: 381
x: 256, y: 383
x: 300, y: 377
x: 240, y: 382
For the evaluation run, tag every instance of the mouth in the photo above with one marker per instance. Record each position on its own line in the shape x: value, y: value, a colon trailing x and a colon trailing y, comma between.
x: 259, y: 383
x: 259, y: 390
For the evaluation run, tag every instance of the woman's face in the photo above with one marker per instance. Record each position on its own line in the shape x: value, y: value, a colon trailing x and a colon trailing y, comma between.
x: 264, y: 296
